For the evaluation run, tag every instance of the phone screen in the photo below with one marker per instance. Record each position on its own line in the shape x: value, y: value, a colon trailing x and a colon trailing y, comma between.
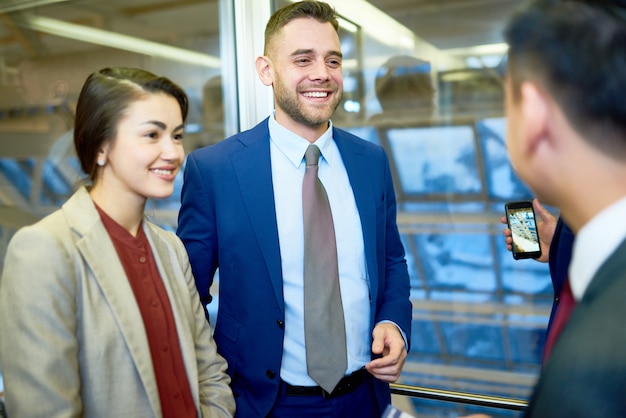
x: 523, y: 225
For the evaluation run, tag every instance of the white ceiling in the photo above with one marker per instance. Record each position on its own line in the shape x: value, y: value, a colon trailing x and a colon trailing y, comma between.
x: 444, y: 23
x: 452, y: 23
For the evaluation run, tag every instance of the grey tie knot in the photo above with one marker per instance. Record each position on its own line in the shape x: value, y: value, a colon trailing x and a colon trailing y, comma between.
x: 312, y: 155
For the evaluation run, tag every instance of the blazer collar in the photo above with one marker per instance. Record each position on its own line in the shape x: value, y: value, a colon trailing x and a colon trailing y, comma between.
x: 99, y: 254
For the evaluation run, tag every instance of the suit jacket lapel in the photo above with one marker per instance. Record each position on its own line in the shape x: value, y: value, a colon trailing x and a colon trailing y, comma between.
x: 610, y: 271
x: 252, y: 166
x: 101, y: 257
x: 171, y: 270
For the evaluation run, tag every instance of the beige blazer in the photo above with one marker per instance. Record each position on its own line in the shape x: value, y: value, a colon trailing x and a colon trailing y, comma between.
x: 72, y: 340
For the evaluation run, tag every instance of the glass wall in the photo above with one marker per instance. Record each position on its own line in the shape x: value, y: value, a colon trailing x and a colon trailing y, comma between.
x: 49, y: 47
x: 436, y: 107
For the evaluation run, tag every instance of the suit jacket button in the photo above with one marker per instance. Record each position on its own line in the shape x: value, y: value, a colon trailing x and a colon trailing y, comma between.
x: 270, y: 374
x: 280, y: 323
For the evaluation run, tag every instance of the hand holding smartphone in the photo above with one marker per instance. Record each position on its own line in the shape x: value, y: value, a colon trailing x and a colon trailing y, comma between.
x: 520, y: 218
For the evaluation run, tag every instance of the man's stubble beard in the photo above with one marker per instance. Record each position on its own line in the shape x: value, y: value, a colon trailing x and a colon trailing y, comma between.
x: 298, y: 112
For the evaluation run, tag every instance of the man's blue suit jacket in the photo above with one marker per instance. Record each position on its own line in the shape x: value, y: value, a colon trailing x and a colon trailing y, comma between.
x: 228, y: 220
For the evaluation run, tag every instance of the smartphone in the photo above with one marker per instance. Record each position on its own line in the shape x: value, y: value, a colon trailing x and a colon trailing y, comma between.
x: 520, y: 217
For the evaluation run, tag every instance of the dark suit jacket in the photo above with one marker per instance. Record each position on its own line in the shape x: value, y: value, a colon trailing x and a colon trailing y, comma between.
x: 228, y: 220
x: 559, y: 259
x: 585, y: 375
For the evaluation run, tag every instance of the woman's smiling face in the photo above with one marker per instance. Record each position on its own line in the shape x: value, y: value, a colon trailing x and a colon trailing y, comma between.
x: 147, y: 151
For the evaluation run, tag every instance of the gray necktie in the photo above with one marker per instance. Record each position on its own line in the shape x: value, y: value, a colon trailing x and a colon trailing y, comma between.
x: 324, y: 328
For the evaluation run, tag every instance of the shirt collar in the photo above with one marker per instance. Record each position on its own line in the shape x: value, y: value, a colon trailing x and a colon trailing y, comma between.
x: 293, y: 146
x: 594, y: 243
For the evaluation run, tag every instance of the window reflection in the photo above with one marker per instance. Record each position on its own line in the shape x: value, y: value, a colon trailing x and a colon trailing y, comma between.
x: 479, y: 315
x: 437, y: 159
x: 49, y: 49
x: 502, y: 181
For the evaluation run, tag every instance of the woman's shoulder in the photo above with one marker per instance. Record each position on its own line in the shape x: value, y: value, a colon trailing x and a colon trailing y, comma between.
x: 51, y: 226
x: 158, y: 232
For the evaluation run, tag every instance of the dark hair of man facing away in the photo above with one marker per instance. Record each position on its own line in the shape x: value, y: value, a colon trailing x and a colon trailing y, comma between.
x: 319, y: 11
x: 577, y: 51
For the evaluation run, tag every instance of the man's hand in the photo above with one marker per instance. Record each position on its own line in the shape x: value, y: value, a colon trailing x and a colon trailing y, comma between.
x: 388, y: 341
x: 545, y: 230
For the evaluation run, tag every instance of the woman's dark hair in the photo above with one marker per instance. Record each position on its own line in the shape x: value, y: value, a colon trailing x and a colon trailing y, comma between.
x: 104, y: 98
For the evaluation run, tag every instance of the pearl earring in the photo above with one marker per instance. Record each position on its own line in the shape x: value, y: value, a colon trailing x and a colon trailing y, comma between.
x: 101, y: 163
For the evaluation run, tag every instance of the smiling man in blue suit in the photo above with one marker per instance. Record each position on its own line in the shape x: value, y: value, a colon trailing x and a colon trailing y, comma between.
x: 242, y: 212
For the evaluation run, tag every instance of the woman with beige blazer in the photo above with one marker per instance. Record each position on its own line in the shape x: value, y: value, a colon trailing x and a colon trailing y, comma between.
x: 99, y: 314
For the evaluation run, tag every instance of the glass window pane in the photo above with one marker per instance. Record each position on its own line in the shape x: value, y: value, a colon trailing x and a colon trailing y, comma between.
x: 436, y: 105
x: 435, y: 159
x: 48, y: 50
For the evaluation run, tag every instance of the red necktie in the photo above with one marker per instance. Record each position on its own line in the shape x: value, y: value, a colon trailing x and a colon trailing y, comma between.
x: 563, y: 312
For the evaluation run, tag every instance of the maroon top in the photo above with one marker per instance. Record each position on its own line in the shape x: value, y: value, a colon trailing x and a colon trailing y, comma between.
x: 136, y: 257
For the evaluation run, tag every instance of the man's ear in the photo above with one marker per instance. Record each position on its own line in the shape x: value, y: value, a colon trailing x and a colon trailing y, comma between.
x: 264, y: 69
x: 535, y: 109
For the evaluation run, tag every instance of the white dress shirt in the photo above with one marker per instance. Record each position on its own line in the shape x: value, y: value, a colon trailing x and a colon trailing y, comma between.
x: 287, y: 159
x: 594, y: 243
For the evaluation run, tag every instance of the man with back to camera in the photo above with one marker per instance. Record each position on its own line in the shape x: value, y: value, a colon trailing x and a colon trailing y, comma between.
x: 566, y: 137
x: 242, y: 211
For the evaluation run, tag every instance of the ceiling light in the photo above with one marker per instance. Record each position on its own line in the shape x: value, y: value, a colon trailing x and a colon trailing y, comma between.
x: 478, y: 50
x: 119, y: 41
x: 377, y: 24
x: 26, y: 4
